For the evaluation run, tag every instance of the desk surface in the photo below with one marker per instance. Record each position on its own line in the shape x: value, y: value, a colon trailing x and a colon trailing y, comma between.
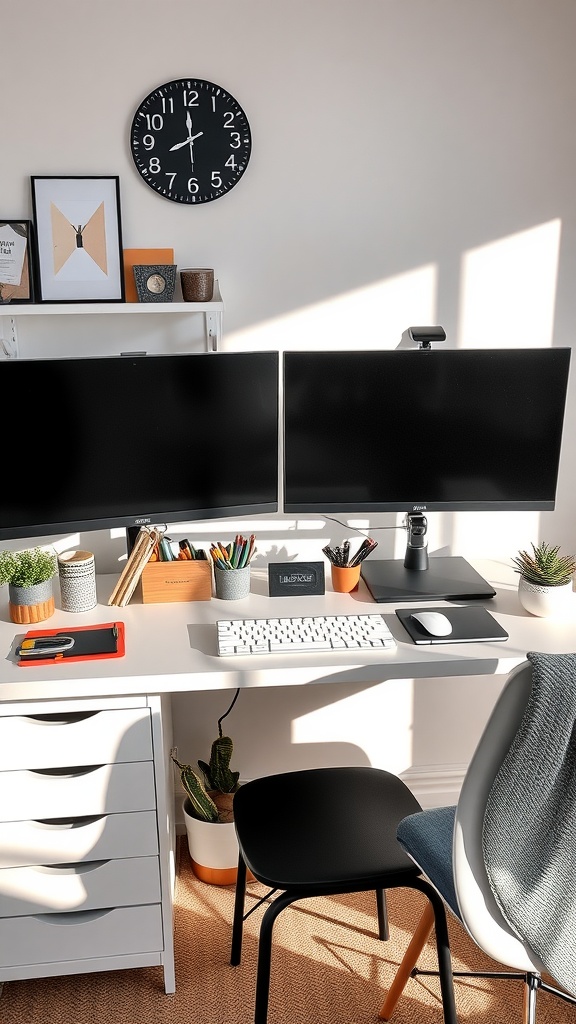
x: 172, y: 647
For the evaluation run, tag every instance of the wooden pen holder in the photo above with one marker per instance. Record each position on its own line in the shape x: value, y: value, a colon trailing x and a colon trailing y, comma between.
x: 176, y: 581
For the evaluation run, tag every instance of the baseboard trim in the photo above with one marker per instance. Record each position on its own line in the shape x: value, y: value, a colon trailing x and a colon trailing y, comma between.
x: 435, y: 785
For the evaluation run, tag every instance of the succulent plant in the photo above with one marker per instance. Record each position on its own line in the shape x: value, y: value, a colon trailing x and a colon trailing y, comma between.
x: 210, y: 792
x: 545, y: 567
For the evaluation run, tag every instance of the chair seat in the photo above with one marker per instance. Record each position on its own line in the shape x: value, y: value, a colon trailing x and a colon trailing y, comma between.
x: 324, y: 828
x: 427, y: 837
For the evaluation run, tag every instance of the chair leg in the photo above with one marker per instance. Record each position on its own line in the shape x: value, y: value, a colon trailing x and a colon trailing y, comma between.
x: 238, y: 921
x: 530, y: 989
x: 383, y: 929
x: 409, y: 960
x: 442, y: 949
x: 265, y: 955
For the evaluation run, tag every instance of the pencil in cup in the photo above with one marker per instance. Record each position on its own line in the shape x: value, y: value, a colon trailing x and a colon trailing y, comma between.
x: 236, y: 555
x: 232, y: 567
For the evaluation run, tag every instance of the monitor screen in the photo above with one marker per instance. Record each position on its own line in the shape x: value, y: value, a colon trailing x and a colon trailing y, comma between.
x: 423, y: 430
x: 130, y: 440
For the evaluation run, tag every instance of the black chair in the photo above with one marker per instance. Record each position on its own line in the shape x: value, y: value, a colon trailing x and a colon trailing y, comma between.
x: 326, y: 832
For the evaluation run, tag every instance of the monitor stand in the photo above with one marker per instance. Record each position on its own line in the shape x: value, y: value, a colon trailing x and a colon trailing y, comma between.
x: 448, y: 578
x: 419, y: 578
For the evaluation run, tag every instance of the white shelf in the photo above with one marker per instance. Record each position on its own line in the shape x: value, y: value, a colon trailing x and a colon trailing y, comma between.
x: 212, y: 312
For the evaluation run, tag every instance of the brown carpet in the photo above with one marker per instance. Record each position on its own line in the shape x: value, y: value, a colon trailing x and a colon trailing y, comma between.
x: 328, y: 968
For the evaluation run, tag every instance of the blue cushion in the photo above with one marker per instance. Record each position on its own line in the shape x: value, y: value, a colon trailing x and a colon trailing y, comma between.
x: 427, y: 838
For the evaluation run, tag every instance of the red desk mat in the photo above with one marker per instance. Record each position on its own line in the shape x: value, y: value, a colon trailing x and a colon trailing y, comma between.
x: 105, y: 640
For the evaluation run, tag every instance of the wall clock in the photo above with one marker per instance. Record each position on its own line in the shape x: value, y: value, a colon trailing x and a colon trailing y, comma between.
x: 190, y: 141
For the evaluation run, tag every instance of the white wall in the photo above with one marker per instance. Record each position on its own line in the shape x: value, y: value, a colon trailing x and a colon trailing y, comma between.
x: 412, y: 163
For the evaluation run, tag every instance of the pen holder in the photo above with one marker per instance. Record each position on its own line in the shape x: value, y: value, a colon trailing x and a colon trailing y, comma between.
x: 345, y: 578
x: 232, y: 584
x: 176, y: 581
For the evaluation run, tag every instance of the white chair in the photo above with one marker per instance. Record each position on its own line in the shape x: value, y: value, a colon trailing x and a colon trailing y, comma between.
x: 450, y: 847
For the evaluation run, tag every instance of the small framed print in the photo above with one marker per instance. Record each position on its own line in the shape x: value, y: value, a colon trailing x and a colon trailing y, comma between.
x: 78, y: 239
x: 16, y: 283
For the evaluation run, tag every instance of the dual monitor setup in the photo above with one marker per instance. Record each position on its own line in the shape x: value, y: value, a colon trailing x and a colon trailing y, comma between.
x: 132, y: 440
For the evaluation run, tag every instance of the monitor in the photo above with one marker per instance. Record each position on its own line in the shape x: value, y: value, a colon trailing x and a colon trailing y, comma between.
x: 423, y: 430
x: 132, y: 440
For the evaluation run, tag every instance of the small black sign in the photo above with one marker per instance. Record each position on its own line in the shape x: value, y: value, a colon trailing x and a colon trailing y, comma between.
x: 294, y: 579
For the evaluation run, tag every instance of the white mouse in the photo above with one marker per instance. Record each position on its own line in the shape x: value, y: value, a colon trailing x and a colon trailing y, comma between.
x: 433, y: 622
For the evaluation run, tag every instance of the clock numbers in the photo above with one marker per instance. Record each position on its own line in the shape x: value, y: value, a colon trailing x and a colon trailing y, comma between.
x: 154, y: 123
x: 190, y: 141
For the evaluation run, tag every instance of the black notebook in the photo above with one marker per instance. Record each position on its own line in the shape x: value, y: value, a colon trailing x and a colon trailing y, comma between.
x: 470, y: 623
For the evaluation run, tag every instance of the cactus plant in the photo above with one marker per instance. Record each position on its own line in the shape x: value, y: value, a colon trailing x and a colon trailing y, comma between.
x: 545, y: 567
x: 210, y: 793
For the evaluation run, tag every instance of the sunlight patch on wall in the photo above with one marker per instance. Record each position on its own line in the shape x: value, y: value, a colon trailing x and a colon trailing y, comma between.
x: 493, y: 534
x: 508, y: 290
x: 385, y: 735
x: 371, y: 317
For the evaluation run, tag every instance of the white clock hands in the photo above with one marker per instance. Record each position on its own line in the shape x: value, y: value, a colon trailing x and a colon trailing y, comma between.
x: 189, y: 141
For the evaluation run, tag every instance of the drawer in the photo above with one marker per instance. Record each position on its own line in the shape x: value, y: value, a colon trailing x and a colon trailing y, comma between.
x: 62, y: 739
x: 78, y: 839
x: 50, y: 938
x: 103, y: 790
x: 87, y: 886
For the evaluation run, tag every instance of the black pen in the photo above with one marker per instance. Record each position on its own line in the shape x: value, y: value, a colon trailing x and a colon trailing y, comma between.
x: 365, y: 548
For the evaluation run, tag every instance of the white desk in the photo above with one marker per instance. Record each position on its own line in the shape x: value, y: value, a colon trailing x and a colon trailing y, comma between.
x: 114, y: 717
x: 171, y: 648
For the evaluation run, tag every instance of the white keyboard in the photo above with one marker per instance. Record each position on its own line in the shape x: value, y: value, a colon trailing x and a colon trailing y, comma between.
x: 300, y: 635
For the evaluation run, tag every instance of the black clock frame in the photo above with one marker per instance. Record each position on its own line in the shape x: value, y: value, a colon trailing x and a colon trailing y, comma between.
x: 190, y: 141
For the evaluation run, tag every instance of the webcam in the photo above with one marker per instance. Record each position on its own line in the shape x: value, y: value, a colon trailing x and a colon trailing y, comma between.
x: 424, y: 336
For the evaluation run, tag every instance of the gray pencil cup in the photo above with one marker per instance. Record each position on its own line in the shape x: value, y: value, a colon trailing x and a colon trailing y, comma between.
x: 232, y: 584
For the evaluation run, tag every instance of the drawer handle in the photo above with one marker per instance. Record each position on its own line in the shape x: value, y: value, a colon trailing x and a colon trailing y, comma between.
x: 69, y: 823
x: 67, y: 772
x: 62, y: 718
x: 75, y: 917
x: 78, y: 868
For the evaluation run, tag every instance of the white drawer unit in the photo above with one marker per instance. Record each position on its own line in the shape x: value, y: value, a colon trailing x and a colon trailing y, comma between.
x: 86, y: 837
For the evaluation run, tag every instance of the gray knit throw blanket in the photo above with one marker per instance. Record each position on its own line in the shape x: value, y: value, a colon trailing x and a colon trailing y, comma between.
x: 529, y: 832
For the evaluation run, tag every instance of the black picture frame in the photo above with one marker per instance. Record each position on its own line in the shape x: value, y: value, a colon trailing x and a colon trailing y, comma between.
x: 78, y: 238
x: 16, y: 263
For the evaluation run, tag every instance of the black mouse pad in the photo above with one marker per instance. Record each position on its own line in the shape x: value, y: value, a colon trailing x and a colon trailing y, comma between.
x: 469, y: 623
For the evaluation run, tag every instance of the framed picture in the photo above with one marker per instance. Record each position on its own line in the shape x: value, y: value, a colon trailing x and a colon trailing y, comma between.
x: 16, y: 282
x: 78, y: 239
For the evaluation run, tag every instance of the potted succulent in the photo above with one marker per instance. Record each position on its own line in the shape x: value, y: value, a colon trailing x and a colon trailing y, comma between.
x: 29, y: 576
x: 546, y: 579
x: 208, y: 811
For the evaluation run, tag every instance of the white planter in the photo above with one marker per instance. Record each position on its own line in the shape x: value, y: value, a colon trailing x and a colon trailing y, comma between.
x: 559, y: 602
x: 213, y: 849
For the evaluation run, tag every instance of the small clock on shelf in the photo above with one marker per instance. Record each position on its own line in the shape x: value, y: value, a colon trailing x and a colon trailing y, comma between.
x: 155, y: 282
x: 190, y: 140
